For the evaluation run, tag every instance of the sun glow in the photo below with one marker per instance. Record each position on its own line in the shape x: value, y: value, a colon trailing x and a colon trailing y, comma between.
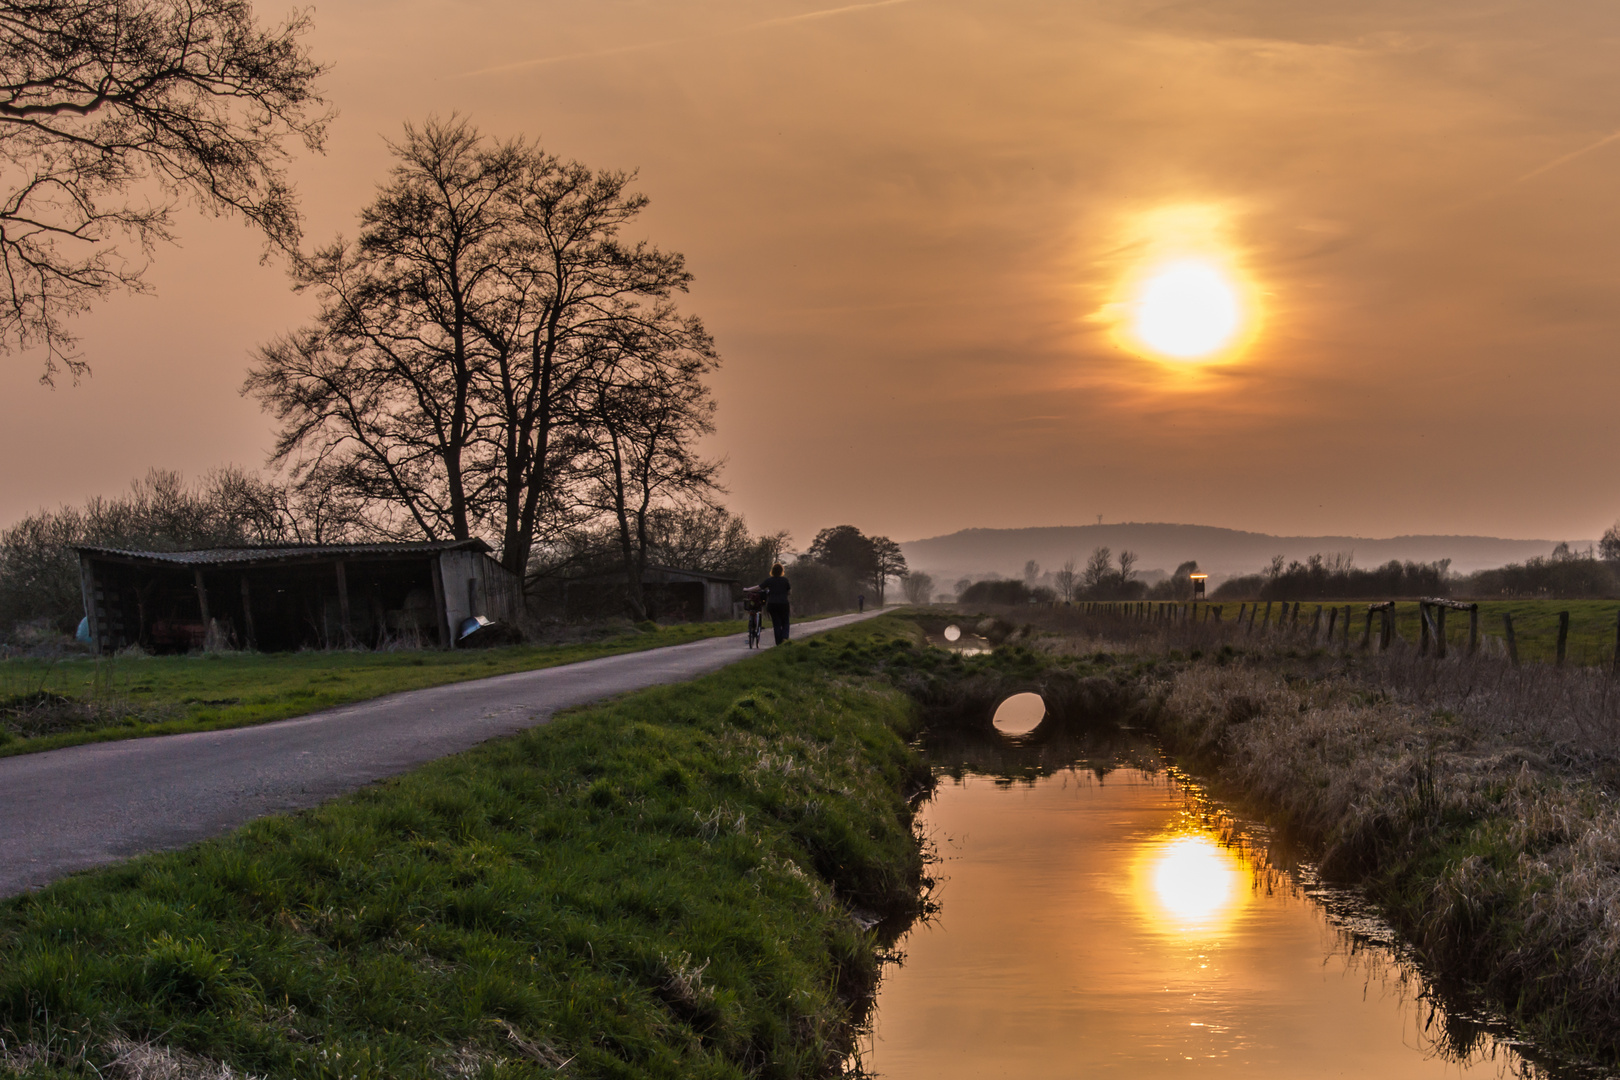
x: 1184, y: 301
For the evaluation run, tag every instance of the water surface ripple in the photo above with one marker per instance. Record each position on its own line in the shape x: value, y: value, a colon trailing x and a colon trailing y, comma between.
x: 1094, y: 923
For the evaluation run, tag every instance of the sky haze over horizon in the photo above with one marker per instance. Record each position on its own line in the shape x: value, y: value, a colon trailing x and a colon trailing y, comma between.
x: 915, y: 226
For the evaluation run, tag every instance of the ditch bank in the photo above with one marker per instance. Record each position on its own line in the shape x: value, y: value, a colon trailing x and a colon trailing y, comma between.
x: 690, y: 881
x: 1490, y: 843
x: 1496, y: 859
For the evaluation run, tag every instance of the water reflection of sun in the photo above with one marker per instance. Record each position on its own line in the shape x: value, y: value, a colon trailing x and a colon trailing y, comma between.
x: 1189, y: 883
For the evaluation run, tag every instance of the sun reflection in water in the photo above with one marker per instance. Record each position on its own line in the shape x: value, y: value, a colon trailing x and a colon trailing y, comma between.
x: 1191, y: 883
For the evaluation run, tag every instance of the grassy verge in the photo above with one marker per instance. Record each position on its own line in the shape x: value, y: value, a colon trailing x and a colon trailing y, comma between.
x: 670, y: 885
x: 45, y: 705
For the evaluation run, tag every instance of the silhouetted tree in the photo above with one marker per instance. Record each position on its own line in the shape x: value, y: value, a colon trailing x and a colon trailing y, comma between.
x: 453, y: 377
x: 103, y: 98
x: 1609, y: 545
x: 1099, y: 570
x: 1067, y: 580
x: 918, y: 587
x: 643, y: 423
x: 846, y: 548
x: 887, y: 562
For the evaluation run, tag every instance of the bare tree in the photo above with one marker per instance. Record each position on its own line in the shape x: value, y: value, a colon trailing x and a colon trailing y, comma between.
x: 1032, y: 572
x: 917, y: 586
x: 571, y: 281
x: 646, y: 415
x: 1609, y: 545
x: 462, y: 341
x: 173, y: 97
x: 1099, y: 572
x: 1127, y: 566
x: 384, y: 386
x: 1067, y: 581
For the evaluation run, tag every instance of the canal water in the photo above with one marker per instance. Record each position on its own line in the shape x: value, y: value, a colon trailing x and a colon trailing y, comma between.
x: 1102, y: 922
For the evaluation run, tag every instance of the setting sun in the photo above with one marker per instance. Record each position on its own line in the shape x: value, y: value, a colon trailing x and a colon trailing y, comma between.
x: 1187, y: 309
x: 1183, y: 298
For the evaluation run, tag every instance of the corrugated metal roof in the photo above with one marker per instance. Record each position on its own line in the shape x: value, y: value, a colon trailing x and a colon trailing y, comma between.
x: 284, y: 552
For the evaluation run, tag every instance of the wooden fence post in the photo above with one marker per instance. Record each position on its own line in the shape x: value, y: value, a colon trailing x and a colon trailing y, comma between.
x: 1366, y: 634
x: 1512, y: 642
x: 1333, y: 618
x: 1217, y: 613
x: 1423, y: 628
x: 1439, y: 611
x: 1563, y: 636
x: 1473, y: 629
x: 1264, y: 623
x: 1387, y: 630
x: 1316, y: 624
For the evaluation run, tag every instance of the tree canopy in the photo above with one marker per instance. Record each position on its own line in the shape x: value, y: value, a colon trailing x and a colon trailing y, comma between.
x: 491, y: 359
x: 111, y: 112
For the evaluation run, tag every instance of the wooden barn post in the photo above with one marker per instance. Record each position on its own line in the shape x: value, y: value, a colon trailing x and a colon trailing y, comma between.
x: 343, y: 602
x: 202, y: 599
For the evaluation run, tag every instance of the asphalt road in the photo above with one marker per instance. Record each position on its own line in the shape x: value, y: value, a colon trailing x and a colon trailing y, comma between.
x: 67, y: 810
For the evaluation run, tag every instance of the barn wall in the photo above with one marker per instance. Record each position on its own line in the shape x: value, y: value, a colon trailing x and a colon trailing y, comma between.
x: 475, y: 584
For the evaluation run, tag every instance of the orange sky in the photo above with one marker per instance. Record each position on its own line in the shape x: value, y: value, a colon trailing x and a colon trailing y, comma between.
x: 903, y: 217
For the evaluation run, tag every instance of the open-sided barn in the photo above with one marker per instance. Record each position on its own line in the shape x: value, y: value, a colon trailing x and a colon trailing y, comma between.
x: 291, y: 597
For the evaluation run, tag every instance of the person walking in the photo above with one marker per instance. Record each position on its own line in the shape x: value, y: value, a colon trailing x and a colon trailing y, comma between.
x: 776, y: 589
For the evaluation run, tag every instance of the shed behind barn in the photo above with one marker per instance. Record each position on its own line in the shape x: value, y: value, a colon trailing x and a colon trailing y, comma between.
x: 671, y: 594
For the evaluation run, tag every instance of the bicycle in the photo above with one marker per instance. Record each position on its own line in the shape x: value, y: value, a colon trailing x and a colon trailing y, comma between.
x: 754, y: 605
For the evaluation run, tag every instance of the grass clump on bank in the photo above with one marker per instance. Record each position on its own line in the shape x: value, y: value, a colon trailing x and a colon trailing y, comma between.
x: 46, y: 704
x: 671, y: 885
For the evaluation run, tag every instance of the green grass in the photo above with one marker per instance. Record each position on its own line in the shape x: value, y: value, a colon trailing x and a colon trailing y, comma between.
x: 655, y: 887
x: 68, y: 702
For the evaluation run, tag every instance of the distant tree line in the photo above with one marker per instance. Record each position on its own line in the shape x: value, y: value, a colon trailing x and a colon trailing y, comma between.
x: 1329, y: 577
x: 229, y: 507
x: 1562, y: 574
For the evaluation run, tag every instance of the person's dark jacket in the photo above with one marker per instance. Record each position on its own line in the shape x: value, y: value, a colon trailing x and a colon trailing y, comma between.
x: 776, y: 591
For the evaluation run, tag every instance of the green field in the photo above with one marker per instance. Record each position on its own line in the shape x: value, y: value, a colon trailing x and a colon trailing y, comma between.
x: 678, y: 883
x: 49, y: 704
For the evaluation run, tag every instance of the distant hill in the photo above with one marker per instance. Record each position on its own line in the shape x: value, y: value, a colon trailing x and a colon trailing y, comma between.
x: 1220, y: 552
